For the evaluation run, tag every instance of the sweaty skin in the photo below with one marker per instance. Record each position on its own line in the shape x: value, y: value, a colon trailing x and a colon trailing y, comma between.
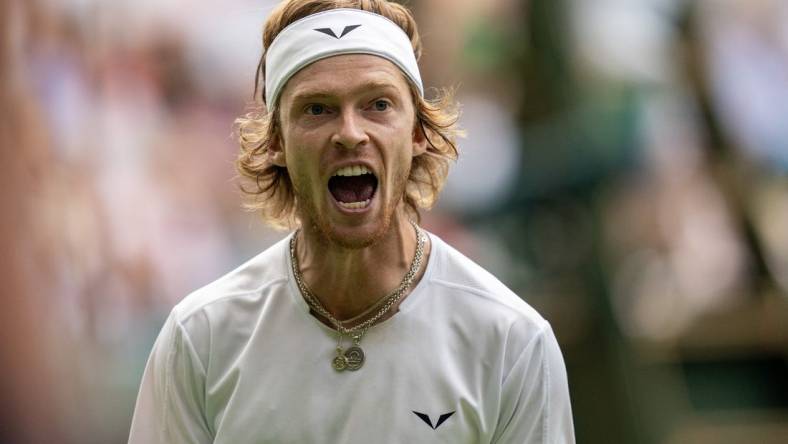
x: 340, y: 111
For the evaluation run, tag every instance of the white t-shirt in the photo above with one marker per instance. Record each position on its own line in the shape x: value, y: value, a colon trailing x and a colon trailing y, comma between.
x: 463, y: 361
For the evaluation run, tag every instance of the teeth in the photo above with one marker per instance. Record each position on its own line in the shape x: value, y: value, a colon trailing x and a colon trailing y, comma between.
x: 353, y: 170
x: 354, y: 205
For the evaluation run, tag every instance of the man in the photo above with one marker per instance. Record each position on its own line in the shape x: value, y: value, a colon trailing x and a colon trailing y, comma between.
x: 359, y: 327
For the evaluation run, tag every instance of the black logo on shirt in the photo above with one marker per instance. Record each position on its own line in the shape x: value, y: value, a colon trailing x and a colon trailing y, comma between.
x: 424, y: 417
x: 330, y: 32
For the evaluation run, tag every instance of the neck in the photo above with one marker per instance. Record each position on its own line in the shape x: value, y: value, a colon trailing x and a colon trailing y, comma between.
x: 347, y: 281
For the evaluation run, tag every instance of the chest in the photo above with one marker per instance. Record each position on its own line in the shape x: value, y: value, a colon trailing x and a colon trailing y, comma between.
x: 413, y: 387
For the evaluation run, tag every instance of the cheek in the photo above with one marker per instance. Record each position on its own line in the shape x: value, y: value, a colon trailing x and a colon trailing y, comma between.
x: 401, y: 165
x: 303, y: 169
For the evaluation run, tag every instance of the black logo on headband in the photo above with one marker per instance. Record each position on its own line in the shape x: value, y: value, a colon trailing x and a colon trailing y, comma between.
x: 329, y: 31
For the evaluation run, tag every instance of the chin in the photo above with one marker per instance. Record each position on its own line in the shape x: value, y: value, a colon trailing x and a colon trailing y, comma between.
x: 350, y: 236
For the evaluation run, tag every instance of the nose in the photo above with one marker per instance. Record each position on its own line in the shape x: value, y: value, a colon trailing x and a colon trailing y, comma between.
x: 350, y: 133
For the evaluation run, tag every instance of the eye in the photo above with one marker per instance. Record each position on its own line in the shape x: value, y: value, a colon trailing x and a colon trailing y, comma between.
x: 315, y: 109
x: 381, y: 105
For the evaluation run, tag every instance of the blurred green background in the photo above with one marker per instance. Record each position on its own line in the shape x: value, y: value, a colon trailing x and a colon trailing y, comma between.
x: 625, y: 172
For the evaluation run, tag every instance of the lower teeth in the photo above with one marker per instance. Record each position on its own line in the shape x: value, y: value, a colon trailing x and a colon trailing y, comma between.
x: 354, y: 205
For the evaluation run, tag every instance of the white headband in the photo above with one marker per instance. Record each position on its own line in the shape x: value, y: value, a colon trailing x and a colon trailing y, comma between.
x: 334, y: 32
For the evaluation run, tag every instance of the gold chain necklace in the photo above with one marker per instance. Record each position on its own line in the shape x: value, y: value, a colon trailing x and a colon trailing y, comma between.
x: 353, y: 357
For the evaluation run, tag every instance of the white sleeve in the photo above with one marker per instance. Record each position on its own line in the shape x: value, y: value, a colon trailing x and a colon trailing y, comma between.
x: 170, y: 404
x: 535, y: 407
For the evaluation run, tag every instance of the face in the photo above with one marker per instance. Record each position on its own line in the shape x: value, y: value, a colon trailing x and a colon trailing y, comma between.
x: 348, y: 141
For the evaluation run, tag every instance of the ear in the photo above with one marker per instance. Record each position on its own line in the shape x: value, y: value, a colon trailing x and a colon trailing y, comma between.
x: 276, y: 153
x: 419, y: 139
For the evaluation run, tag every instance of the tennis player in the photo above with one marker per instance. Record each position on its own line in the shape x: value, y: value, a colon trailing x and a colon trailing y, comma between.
x: 359, y: 326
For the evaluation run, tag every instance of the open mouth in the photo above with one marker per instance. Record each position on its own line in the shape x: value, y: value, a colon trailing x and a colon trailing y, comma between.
x: 353, y: 187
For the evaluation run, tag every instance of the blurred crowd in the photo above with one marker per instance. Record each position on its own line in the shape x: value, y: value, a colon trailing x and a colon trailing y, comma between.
x: 625, y: 171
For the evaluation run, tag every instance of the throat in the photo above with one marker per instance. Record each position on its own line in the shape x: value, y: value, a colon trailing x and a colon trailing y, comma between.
x: 359, y: 284
x: 351, y: 296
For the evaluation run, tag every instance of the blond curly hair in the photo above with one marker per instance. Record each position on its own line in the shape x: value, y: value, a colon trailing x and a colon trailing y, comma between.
x: 269, y: 188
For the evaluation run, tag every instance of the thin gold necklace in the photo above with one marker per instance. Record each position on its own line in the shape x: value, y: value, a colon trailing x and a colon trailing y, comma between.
x: 353, y: 358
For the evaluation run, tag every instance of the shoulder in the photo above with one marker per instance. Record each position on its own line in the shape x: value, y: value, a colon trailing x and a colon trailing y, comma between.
x: 482, y: 299
x: 240, y: 291
x: 498, y: 329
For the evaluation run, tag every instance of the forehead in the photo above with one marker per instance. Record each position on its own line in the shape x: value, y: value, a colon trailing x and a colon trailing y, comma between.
x: 345, y: 74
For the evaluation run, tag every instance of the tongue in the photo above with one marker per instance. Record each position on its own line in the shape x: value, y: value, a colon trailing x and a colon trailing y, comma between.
x: 352, y: 188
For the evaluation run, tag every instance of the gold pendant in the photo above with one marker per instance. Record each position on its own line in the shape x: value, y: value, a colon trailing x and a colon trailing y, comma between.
x: 351, y: 359
x: 354, y: 357
x: 339, y: 362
